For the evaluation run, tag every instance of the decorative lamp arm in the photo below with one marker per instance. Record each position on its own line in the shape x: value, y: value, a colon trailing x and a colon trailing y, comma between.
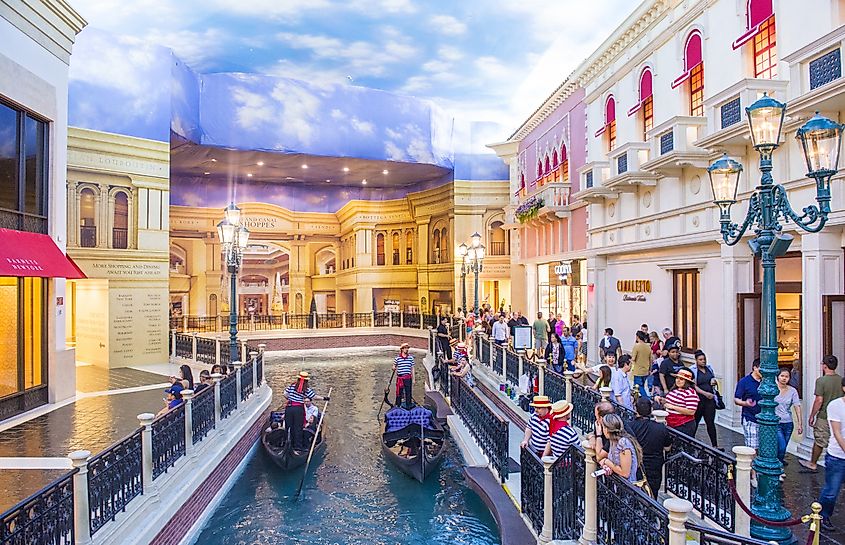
x: 813, y: 218
x: 733, y: 233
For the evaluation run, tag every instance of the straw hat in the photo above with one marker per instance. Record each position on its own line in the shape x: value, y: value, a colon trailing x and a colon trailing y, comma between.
x: 304, y: 375
x: 404, y: 345
x: 541, y: 402
x: 685, y: 374
x: 462, y: 346
x: 561, y: 409
x: 453, y: 342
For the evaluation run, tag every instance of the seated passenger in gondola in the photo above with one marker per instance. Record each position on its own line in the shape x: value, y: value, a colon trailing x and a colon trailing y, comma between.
x: 312, y: 415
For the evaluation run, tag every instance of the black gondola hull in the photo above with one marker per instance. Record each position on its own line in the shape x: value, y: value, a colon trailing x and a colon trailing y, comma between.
x: 279, y: 451
x: 416, y: 462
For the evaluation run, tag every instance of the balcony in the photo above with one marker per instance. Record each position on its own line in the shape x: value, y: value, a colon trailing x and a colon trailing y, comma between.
x: 88, y: 236
x: 119, y: 238
x: 627, y: 173
x: 817, y: 82
x: 673, y: 146
x: 593, y: 183
x: 496, y: 248
x: 726, y: 122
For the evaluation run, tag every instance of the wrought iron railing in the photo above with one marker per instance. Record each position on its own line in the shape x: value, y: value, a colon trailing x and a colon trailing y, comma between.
x: 699, y: 473
x: 299, y: 321
x: 498, y: 359
x: 202, y: 414
x: 184, y: 346
x: 485, y: 352
x: 206, y: 351
x: 329, y: 320
x: 531, y: 483
x: 246, y: 380
x: 168, y: 440
x: 443, y: 378
x: 88, y: 236
x: 430, y: 320
x: 627, y: 516
x: 170, y: 342
x: 512, y: 367
x: 554, y: 385
x: 489, y: 429
x: 259, y: 367
x: 176, y: 323
x: 584, y: 401
x: 568, y: 502
x: 711, y: 536
x: 119, y: 238
x: 45, y: 518
x: 381, y: 319
x: 114, y: 479
x: 359, y: 319
x: 203, y: 324
x: 410, y: 319
x: 228, y: 395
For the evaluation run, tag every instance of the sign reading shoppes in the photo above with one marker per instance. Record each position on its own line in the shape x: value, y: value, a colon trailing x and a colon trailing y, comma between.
x: 633, y: 290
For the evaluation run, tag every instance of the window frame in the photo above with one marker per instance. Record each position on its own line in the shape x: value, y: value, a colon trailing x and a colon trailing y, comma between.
x: 689, y: 334
x: 380, y: 258
x: 696, y: 90
x: 767, y: 53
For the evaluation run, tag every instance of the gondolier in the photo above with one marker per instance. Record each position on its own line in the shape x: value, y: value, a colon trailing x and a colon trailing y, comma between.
x: 537, y: 432
x: 403, y: 364
x: 296, y: 393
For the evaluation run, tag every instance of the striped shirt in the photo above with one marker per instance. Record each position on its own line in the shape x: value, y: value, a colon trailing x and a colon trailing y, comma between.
x: 404, y: 365
x: 459, y: 357
x: 562, y: 439
x: 297, y: 397
x: 539, y: 433
x: 683, y: 397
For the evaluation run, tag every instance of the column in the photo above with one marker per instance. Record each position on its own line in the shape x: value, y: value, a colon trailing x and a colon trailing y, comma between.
x: 81, y: 509
x: 737, y: 277
x: 72, y: 214
x: 597, y: 290
x: 548, y: 501
x: 588, y: 533
x: 146, y: 421
x: 187, y: 397
x: 217, y: 377
x: 102, y: 216
x: 744, y: 457
x: 531, y: 294
x: 567, y: 376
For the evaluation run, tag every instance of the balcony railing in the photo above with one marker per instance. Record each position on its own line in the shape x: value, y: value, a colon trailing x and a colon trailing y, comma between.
x: 497, y: 248
x: 88, y: 236
x: 119, y: 238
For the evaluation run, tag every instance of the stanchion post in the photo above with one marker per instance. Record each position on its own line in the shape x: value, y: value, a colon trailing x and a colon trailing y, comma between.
x: 261, y: 349
x: 605, y: 393
x: 194, y: 346
x: 548, y: 501
x: 542, y: 382
x: 173, y: 342
x: 567, y: 376
x: 217, y: 350
x: 679, y: 511
x: 146, y: 421
x: 217, y: 377
x: 343, y: 314
x: 238, y: 365
x: 81, y: 511
x: 187, y: 397
x: 519, y: 370
x: 744, y: 457
x: 253, y: 357
x: 588, y: 533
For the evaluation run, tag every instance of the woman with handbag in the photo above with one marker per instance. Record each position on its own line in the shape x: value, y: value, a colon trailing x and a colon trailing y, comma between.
x: 624, y: 457
x: 705, y: 381
x: 786, y: 399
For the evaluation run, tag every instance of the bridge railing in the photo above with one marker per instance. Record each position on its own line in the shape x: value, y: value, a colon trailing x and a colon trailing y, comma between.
x: 627, y: 516
x: 115, y: 477
x: 532, y: 488
x: 46, y: 517
x: 488, y: 428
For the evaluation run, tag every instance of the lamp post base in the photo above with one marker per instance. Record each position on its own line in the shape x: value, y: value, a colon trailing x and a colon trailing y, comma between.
x: 783, y: 536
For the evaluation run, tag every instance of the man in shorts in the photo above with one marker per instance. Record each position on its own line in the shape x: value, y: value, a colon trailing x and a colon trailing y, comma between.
x: 828, y: 387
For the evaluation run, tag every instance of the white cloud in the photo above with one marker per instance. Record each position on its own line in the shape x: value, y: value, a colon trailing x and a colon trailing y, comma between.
x: 436, y: 66
x: 448, y: 25
x: 363, y: 127
x: 337, y: 114
x: 450, y: 53
x: 393, y: 152
x: 361, y: 58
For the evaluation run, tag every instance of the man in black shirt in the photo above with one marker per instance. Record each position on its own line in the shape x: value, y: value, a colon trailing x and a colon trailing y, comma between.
x: 670, y: 366
x: 669, y: 338
x: 443, y: 338
x: 512, y: 323
x: 654, y: 439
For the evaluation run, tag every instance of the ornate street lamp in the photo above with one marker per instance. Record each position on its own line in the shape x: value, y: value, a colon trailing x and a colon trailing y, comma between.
x: 234, y: 237
x: 768, y: 205
x: 473, y: 258
x: 462, y: 255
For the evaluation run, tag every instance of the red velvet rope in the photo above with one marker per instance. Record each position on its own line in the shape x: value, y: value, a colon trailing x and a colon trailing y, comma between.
x: 775, y: 523
x: 810, y: 537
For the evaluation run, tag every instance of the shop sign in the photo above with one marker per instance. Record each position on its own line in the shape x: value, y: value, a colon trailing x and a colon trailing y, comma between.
x: 391, y: 305
x: 565, y: 268
x: 633, y: 290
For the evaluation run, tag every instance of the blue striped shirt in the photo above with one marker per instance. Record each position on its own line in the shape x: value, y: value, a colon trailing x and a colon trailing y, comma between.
x: 539, y: 433
x: 404, y: 365
x: 562, y: 439
x: 297, y: 397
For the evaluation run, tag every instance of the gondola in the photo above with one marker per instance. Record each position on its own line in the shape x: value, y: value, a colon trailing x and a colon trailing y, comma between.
x: 403, y: 446
x: 274, y: 439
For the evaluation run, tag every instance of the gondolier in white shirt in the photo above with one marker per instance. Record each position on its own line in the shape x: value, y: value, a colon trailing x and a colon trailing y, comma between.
x: 403, y: 364
x: 296, y: 393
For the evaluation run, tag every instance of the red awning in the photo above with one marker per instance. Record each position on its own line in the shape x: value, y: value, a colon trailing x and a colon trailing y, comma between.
x: 32, y: 254
x: 683, y: 77
x: 748, y: 35
x: 759, y: 11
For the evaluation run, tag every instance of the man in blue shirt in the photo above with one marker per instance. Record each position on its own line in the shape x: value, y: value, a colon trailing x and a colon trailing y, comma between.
x: 747, y: 396
x: 570, y: 348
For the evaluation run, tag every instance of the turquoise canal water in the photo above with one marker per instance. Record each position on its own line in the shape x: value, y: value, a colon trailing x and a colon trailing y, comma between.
x: 352, y: 495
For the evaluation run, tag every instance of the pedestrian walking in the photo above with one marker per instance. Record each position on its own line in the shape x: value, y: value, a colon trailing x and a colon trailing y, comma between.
x: 825, y: 392
x: 746, y: 396
x: 500, y: 331
x: 541, y: 333
x: 786, y: 400
x: 834, y: 462
x: 554, y: 353
x: 609, y: 344
x: 654, y: 439
x: 641, y: 363
x: 669, y: 367
x: 705, y: 379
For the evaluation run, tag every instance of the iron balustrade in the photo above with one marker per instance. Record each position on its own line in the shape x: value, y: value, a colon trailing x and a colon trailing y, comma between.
x: 584, y: 401
x: 409, y: 319
x: 259, y: 364
x: 489, y: 429
x: 498, y: 359
x: 202, y: 324
x: 170, y: 342
x: 532, y: 486
x: 396, y: 318
x: 443, y: 378
x: 202, y: 414
x: 119, y: 238
x: 246, y: 380
x: 628, y: 516
x: 114, y: 479
x: 228, y: 395
x: 184, y: 346
x: 262, y: 322
x: 168, y: 440
x: 176, y: 323
x: 698, y: 473
x: 485, y: 352
x: 298, y: 321
x: 712, y: 536
x: 45, y: 518
x: 206, y: 351
x: 329, y: 320
x: 381, y: 319
x: 477, y: 346
x: 244, y: 321
x: 554, y: 385
x: 88, y: 236
x: 430, y: 320
x: 497, y: 248
x: 359, y: 319
x: 512, y: 367
x: 568, y: 501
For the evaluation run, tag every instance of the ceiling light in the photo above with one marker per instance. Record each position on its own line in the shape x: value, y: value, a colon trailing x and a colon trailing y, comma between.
x: 385, y: 171
x: 260, y: 163
x: 364, y: 181
x: 206, y: 173
x: 213, y: 160
x: 249, y: 174
x: 345, y: 169
x: 304, y: 166
x: 327, y: 180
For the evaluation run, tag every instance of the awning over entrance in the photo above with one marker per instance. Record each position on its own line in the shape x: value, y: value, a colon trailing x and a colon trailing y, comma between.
x: 33, y: 254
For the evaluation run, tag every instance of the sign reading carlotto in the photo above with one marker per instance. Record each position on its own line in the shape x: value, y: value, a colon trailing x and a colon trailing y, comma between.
x: 633, y: 286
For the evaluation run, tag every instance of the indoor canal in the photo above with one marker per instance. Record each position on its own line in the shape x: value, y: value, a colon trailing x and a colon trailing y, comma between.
x: 351, y: 494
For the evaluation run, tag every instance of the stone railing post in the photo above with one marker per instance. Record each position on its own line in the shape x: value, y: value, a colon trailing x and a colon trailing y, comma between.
x: 187, y: 396
x: 243, y: 351
x: 678, y: 513
x: 343, y: 315
x: 660, y: 416
x: 253, y: 357
x: 284, y: 320
x: 605, y: 393
x: 422, y: 325
x: 390, y: 319
x: 314, y: 320
x: 217, y: 351
x: 238, y: 365
x: 81, y: 511
x: 567, y: 376
x: 401, y: 319
x: 261, y: 349
x: 548, y: 501
x: 194, y: 346
x: 588, y: 534
x: 744, y: 457
x: 520, y: 370
x: 216, y: 377
x: 252, y: 322
x: 173, y: 342
x: 146, y: 421
x: 541, y: 383
x: 219, y: 324
x: 184, y: 323
x: 373, y: 319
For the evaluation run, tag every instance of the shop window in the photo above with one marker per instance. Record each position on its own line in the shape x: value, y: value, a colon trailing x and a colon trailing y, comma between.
x: 444, y: 243
x: 409, y: 247
x: 395, y: 249
x: 645, y: 104
x: 436, y: 247
x: 686, y: 307
x: 23, y: 170
x: 765, y: 51
x: 120, y: 231
x: 22, y: 334
x: 380, y: 249
x: 87, y: 218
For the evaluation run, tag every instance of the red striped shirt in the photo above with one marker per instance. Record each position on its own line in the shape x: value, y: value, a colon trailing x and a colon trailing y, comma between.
x: 683, y: 397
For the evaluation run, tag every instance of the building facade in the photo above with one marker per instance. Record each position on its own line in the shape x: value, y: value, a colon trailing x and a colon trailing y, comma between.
x: 665, y: 97
x: 34, y: 55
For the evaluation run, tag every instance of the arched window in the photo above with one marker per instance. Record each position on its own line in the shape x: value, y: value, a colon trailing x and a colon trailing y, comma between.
x: 540, y: 168
x: 522, y: 181
x: 120, y: 230
x: 693, y: 73
x: 409, y: 247
x: 87, y: 218
x: 498, y: 239
x: 548, y: 165
x: 610, y: 122
x: 564, y: 164
x: 380, y: 249
x: 760, y: 31
x: 436, y: 246
x: 395, y: 249
x: 444, y: 243
x: 554, y: 159
x: 646, y: 101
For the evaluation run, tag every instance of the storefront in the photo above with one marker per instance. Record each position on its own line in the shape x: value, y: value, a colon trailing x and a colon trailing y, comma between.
x: 561, y: 289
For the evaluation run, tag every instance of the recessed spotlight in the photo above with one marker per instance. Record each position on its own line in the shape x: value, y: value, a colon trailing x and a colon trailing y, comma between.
x: 327, y: 180
x: 206, y: 173
x: 364, y: 181
x: 260, y: 163
x: 304, y: 166
x: 213, y: 160
x: 249, y: 174
x: 345, y: 169
x: 385, y: 171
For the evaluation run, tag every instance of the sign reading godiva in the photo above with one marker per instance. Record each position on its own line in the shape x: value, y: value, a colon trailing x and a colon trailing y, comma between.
x: 633, y: 286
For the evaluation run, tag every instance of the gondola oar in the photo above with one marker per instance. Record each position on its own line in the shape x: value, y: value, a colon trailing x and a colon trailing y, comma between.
x: 386, y: 392
x: 313, y: 443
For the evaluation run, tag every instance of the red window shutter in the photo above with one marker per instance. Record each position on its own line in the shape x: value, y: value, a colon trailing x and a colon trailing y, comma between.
x: 563, y: 155
x: 758, y: 12
x: 645, y: 84
x: 610, y: 111
x: 692, y: 53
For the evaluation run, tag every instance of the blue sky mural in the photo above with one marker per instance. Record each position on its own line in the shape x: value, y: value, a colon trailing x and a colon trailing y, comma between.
x: 490, y: 60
